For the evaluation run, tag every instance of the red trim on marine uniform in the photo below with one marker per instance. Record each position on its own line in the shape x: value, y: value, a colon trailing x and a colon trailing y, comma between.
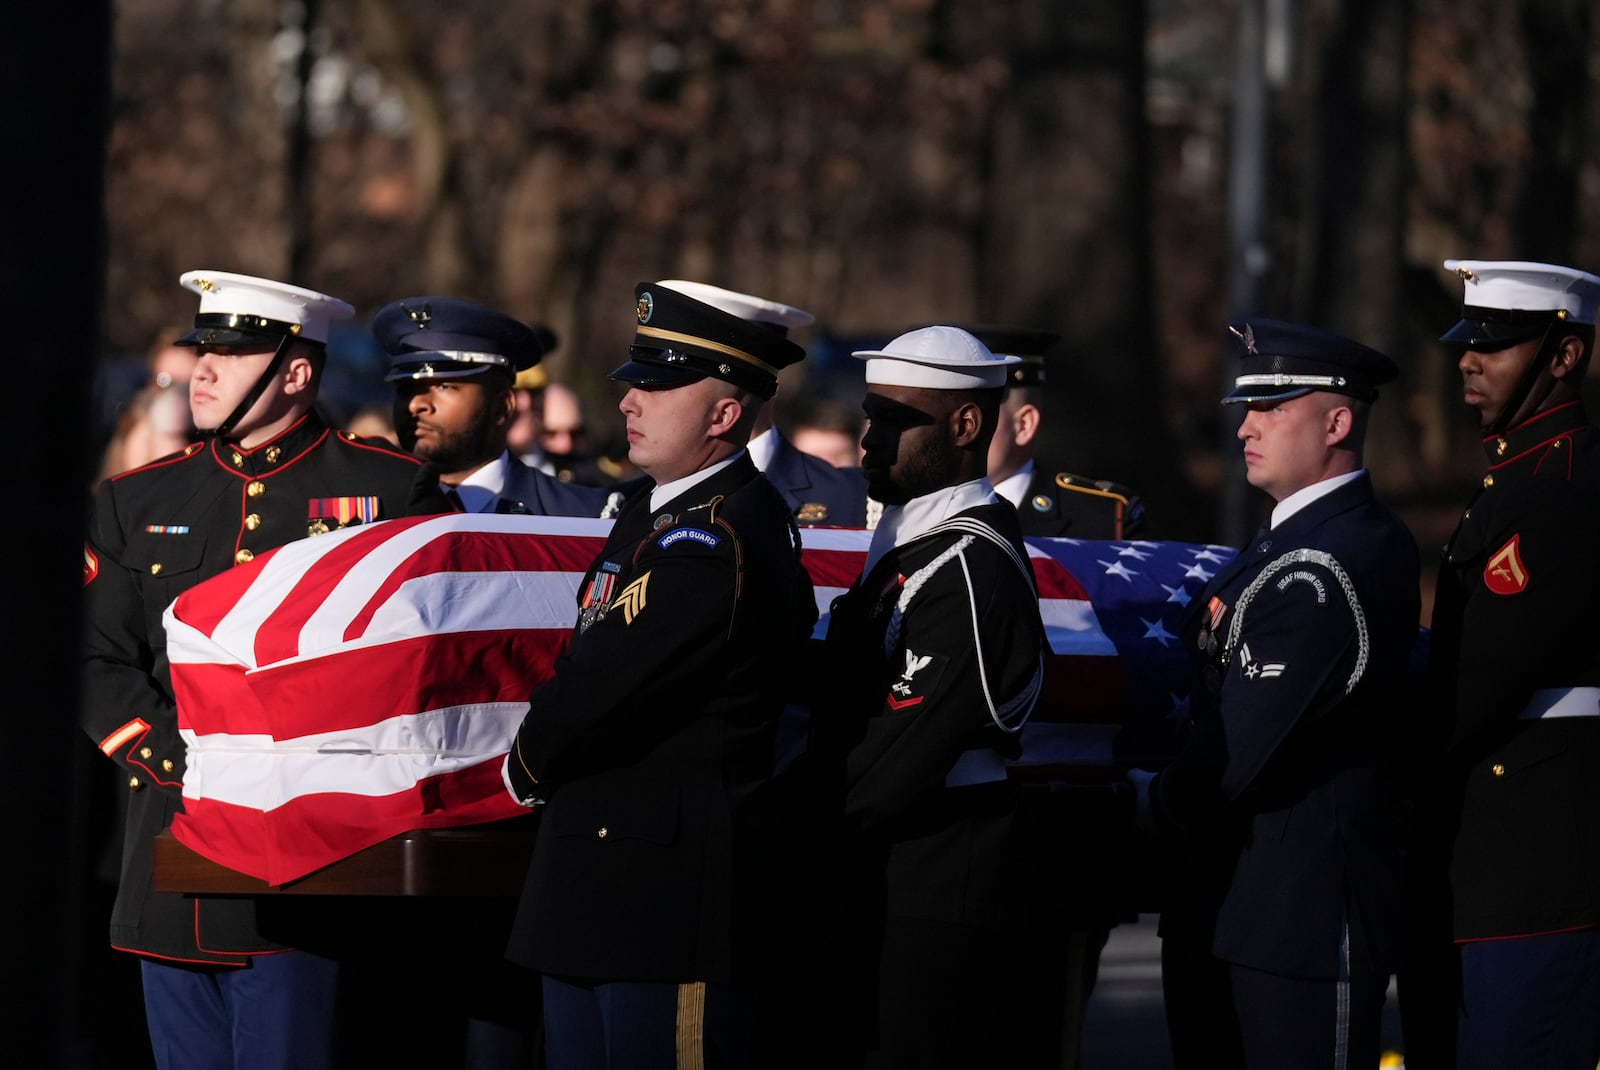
x: 202, y: 962
x: 183, y: 455
x: 1523, y: 936
x: 350, y: 438
x: 91, y: 565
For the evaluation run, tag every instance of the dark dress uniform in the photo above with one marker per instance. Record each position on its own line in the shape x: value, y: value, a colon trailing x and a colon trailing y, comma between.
x: 529, y: 491
x: 156, y: 532
x: 1515, y: 664
x: 653, y: 742
x: 933, y: 661
x: 818, y: 493
x: 1286, y: 789
x: 1062, y: 505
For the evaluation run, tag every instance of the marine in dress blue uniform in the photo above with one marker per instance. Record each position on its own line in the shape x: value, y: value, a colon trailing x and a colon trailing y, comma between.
x: 652, y: 747
x: 219, y: 991
x: 447, y: 345
x: 1515, y: 675
x: 932, y: 664
x: 818, y: 493
x: 1285, y: 924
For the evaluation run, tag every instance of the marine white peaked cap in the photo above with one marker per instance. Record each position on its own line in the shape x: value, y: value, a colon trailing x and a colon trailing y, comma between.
x: 226, y: 293
x: 745, y: 306
x: 1519, y: 285
x: 936, y: 358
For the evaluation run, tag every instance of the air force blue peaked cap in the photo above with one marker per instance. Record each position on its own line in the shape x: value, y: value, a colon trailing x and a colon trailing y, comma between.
x: 450, y: 338
x: 1280, y: 360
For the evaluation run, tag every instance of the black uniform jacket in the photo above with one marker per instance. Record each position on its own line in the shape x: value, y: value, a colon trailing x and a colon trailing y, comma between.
x: 1284, y: 797
x: 926, y: 658
x: 653, y: 742
x: 818, y: 494
x: 1062, y: 505
x: 1517, y: 612
x: 156, y: 532
x: 529, y: 491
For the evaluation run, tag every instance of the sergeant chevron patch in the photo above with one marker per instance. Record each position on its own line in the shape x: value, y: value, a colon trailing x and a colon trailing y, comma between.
x: 631, y: 600
x: 1505, y: 573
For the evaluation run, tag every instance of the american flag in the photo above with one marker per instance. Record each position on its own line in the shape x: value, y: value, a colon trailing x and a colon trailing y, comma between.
x: 345, y: 689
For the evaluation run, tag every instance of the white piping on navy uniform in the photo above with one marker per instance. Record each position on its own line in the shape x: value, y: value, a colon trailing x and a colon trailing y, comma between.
x: 1029, y: 694
x: 1341, y: 1039
x: 1310, y: 557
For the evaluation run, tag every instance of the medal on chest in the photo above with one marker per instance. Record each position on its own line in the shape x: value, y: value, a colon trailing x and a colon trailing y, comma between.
x: 598, y: 595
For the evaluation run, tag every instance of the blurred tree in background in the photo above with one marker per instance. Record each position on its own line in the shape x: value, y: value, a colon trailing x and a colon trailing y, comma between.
x: 882, y: 163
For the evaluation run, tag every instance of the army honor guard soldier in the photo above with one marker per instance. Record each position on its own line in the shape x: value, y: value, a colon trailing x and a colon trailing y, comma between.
x: 270, y: 471
x: 652, y: 746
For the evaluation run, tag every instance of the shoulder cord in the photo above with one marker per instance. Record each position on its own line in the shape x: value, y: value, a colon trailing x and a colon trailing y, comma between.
x: 1028, y: 696
x: 1310, y: 557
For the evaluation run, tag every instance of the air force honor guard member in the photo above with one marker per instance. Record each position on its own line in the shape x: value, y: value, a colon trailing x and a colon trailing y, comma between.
x: 1279, y: 940
x: 218, y: 993
x: 818, y: 493
x: 933, y: 661
x: 454, y: 364
x: 652, y: 746
x: 1049, y: 503
x: 1515, y: 668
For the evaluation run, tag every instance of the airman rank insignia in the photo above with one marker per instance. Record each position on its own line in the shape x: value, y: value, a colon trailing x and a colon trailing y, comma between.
x: 811, y: 512
x: 699, y: 535
x: 91, y: 566
x: 362, y: 509
x: 631, y: 600
x: 1505, y: 574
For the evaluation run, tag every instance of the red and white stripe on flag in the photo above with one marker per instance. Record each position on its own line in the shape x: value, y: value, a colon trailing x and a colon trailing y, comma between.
x: 345, y: 689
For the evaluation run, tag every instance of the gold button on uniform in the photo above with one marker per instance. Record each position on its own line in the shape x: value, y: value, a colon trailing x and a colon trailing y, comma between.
x: 601, y: 833
x: 1488, y: 481
x: 1498, y: 770
x: 256, y: 488
x: 253, y: 521
x: 166, y: 765
x: 238, y: 460
x: 133, y: 782
x: 155, y: 569
x: 273, y: 453
x: 1500, y: 447
x: 146, y: 753
x: 244, y: 557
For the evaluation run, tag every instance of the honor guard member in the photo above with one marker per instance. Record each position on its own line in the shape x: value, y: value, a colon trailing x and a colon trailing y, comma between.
x: 933, y: 661
x: 1280, y: 935
x: 1049, y: 503
x: 818, y: 493
x: 454, y: 364
x: 217, y: 992
x: 652, y: 745
x: 1515, y: 668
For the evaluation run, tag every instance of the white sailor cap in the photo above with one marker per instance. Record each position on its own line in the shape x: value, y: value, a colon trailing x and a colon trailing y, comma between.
x: 745, y: 306
x: 1512, y: 301
x: 242, y: 309
x: 936, y: 358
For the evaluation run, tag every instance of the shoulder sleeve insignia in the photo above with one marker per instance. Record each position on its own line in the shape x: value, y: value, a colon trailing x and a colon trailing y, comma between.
x: 699, y: 535
x: 91, y: 566
x: 1505, y: 574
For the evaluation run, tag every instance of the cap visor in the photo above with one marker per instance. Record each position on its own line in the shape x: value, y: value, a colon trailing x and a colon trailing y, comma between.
x: 643, y: 373
x: 229, y: 338
x: 1488, y: 336
x: 1264, y: 393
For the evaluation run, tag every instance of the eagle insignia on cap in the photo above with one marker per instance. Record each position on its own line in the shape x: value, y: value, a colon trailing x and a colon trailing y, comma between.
x: 1467, y: 274
x: 206, y: 285
x: 420, y: 316
x: 1248, y: 337
x: 645, y: 307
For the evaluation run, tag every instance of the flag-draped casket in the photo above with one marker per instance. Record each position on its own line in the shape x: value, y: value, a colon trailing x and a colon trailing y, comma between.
x: 344, y: 689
